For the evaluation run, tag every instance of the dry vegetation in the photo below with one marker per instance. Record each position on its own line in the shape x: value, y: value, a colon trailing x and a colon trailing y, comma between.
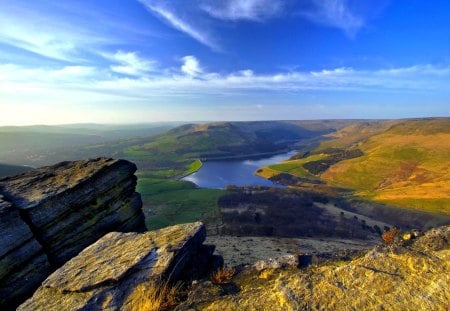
x: 154, y: 297
x: 389, y: 236
x: 223, y: 276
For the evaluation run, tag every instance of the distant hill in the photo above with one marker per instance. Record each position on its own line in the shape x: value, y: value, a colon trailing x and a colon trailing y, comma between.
x: 11, y: 170
x: 403, y: 163
x: 224, y: 140
x: 39, y: 145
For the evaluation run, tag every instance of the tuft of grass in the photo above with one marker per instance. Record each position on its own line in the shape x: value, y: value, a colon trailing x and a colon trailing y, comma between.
x: 154, y: 297
x: 223, y: 276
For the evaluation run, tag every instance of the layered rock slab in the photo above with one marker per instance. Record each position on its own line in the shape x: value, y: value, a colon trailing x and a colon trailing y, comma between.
x: 103, y: 276
x: 23, y: 263
x: 50, y: 214
x: 70, y: 205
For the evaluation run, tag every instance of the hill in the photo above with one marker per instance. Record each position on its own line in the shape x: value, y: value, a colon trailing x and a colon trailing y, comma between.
x: 404, y: 163
x: 11, y: 170
x: 175, y: 149
x: 39, y: 145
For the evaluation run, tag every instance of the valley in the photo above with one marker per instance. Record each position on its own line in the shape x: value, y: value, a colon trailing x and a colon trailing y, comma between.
x: 348, y: 179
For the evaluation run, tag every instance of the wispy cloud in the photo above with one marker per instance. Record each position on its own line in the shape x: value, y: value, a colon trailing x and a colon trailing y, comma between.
x: 333, y: 13
x: 46, y: 36
x: 169, y: 15
x: 131, y: 64
x: 192, y: 79
x: 62, y: 88
x: 254, y: 10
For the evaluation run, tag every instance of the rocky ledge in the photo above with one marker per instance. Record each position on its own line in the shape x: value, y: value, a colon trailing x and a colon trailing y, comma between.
x: 105, y: 275
x: 405, y: 275
x: 50, y: 214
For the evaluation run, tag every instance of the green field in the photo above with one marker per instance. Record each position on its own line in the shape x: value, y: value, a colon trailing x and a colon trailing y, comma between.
x: 293, y: 167
x: 168, y: 202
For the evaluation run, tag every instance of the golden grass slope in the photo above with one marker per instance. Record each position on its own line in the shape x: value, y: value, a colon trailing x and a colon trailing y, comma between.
x: 410, y: 170
x: 405, y: 163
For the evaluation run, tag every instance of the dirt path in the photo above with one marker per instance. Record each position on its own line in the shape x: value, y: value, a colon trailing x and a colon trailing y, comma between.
x: 335, y: 211
x: 247, y: 250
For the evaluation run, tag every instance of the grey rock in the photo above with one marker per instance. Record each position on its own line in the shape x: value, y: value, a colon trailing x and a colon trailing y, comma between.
x: 104, y: 275
x: 277, y: 263
x: 50, y: 214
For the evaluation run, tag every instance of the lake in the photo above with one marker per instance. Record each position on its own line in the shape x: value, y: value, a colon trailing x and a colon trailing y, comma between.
x: 219, y: 174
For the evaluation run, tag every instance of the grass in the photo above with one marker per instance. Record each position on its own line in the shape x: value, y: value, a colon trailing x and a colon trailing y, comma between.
x: 193, y: 167
x: 169, y: 202
x: 154, y: 297
x: 293, y: 167
x: 405, y: 163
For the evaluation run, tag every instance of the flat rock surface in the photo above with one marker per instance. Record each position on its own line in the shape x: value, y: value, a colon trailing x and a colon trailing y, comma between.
x: 105, y: 273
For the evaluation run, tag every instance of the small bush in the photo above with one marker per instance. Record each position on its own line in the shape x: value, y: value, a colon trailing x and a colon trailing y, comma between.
x: 388, y: 236
x: 223, y: 276
x: 154, y: 297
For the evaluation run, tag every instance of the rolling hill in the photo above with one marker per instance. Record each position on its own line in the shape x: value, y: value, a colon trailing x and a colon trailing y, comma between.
x: 173, y: 151
x: 403, y: 163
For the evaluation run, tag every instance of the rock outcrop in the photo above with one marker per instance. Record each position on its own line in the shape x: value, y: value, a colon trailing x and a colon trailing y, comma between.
x: 23, y: 263
x: 411, y: 275
x: 50, y: 214
x: 105, y: 274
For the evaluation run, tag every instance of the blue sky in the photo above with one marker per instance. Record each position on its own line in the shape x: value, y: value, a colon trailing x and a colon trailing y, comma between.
x: 125, y: 61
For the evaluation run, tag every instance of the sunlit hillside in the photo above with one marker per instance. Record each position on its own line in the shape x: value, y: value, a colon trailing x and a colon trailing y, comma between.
x: 403, y: 163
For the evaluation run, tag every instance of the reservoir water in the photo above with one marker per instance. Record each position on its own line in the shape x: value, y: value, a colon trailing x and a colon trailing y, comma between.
x: 219, y: 174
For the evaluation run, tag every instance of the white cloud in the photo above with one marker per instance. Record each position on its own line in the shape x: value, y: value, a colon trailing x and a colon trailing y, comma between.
x: 66, y: 87
x: 169, y: 15
x: 17, y: 81
x: 191, y: 66
x: 254, y: 10
x: 131, y: 63
x: 333, y: 13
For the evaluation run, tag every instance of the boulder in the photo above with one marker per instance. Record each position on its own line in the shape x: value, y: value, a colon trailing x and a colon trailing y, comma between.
x: 104, y: 275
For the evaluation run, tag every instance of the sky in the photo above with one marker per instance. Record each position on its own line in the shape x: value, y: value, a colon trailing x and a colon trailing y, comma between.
x: 134, y: 61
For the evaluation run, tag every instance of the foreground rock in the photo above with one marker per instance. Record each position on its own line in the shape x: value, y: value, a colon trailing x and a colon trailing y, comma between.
x: 413, y: 275
x: 23, y: 263
x: 104, y: 275
x: 50, y: 214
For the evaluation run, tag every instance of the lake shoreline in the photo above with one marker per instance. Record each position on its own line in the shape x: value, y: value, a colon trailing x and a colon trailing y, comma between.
x: 241, y: 171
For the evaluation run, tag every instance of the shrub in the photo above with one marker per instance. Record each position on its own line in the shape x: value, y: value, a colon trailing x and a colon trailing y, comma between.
x: 223, y: 276
x: 388, y: 236
x: 154, y: 297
